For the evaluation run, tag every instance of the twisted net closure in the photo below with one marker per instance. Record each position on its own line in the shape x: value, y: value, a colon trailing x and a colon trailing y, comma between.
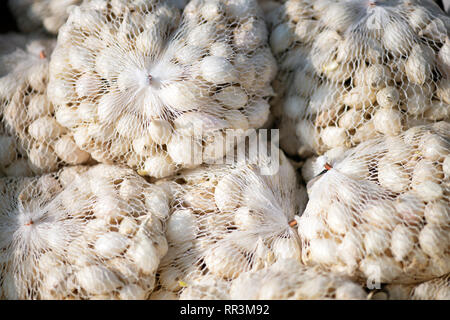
x: 228, y: 220
x: 156, y: 87
x: 382, y: 211
x: 81, y: 233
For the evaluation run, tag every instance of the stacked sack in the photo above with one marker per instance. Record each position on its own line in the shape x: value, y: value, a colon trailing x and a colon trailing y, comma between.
x: 33, y: 142
x: 369, y: 73
x: 144, y: 82
x: 232, y: 236
x: 380, y: 211
x: 228, y: 219
x: 81, y: 233
x: 353, y: 70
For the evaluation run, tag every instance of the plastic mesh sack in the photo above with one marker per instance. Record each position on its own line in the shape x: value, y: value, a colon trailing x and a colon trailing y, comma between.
x: 31, y: 139
x: 146, y: 82
x: 227, y: 220
x: 82, y: 233
x: 380, y: 211
x: 352, y: 70
x: 35, y: 14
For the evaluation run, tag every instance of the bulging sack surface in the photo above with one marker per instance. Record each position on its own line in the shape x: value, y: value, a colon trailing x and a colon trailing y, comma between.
x: 82, y: 233
x: 353, y: 70
x: 380, y: 211
x: 153, y: 86
x: 32, y: 141
x: 228, y: 220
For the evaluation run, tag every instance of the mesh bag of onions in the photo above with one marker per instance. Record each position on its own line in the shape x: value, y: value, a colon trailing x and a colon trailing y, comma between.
x: 228, y: 220
x: 31, y: 139
x: 380, y: 211
x: 351, y: 70
x: 81, y: 233
x: 144, y: 82
x: 35, y: 14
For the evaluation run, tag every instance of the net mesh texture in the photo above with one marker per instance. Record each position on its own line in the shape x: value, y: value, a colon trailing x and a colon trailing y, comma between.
x: 81, y: 233
x: 144, y: 81
x: 380, y: 211
x: 32, y: 140
x: 353, y: 70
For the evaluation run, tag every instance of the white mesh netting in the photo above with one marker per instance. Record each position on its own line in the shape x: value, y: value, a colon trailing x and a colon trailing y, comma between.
x: 82, y: 233
x: 35, y: 14
x: 352, y: 70
x: 31, y: 139
x: 380, y: 211
x: 139, y: 79
x: 227, y: 220
x: 155, y: 86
